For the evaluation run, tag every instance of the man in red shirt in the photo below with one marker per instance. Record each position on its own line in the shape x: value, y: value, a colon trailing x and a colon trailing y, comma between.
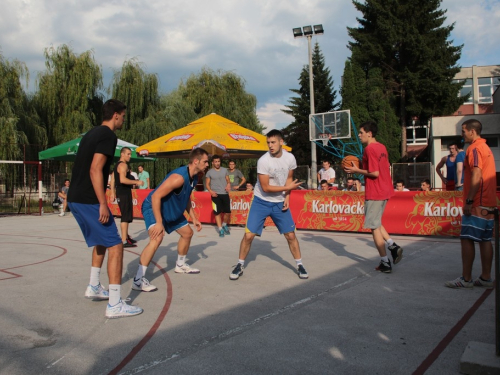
x: 378, y: 189
x: 479, y: 201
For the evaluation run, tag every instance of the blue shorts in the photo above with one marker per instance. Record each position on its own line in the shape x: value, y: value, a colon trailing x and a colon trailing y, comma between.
x: 478, y: 226
x: 95, y: 233
x: 261, y: 209
x: 171, y: 226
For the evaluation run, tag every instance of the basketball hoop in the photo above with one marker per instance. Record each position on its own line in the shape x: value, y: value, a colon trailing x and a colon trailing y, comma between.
x: 324, y: 137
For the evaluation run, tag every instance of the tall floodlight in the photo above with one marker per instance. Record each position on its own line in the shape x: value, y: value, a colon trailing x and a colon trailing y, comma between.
x: 308, y: 32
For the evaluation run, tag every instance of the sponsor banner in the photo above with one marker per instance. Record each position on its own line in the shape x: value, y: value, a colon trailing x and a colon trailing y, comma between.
x: 415, y: 213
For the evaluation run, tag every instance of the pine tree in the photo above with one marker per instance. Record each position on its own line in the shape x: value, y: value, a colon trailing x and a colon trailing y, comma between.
x: 297, y: 133
x: 407, y: 41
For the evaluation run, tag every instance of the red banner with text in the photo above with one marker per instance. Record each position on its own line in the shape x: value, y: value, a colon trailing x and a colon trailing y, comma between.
x: 417, y: 213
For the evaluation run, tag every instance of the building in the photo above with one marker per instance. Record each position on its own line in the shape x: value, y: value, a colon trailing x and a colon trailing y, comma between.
x: 481, y: 83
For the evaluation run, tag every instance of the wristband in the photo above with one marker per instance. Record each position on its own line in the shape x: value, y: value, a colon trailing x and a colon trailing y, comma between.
x: 469, y: 201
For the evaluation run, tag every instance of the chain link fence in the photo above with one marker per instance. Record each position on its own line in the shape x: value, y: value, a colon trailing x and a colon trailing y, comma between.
x: 412, y: 174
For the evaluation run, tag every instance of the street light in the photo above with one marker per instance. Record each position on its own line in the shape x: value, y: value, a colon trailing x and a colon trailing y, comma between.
x: 308, y: 32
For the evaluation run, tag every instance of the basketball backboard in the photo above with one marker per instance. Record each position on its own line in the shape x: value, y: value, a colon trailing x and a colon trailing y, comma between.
x: 330, y: 125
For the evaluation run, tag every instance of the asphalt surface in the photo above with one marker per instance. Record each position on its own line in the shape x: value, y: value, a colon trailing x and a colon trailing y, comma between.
x: 347, y: 318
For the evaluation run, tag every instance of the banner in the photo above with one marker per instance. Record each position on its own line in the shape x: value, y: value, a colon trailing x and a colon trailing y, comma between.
x: 436, y: 213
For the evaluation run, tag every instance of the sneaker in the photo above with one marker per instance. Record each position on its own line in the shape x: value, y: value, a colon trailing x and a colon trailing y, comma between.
x: 96, y: 292
x: 128, y: 244
x: 131, y: 240
x: 61, y: 214
x: 384, y: 267
x: 225, y: 228
x: 122, y: 310
x: 143, y: 285
x: 483, y: 283
x: 185, y: 269
x: 237, y: 272
x: 459, y: 283
x: 396, y: 252
x: 301, y: 271
x: 221, y: 233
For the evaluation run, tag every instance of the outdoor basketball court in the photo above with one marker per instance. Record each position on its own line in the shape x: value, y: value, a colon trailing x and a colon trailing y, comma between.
x: 346, y: 318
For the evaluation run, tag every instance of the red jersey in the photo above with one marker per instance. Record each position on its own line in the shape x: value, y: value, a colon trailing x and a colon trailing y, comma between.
x: 376, y: 158
x: 479, y: 155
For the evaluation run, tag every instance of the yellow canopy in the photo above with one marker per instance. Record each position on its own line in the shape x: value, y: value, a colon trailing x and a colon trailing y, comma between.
x: 214, y: 133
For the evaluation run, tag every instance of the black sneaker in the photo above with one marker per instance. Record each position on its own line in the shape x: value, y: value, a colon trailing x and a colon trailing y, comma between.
x: 396, y: 252
x: 237, y: 272
x: 384, y: 267
x: 131, y: 240
x: 128, y: 244
x: 301, y: 271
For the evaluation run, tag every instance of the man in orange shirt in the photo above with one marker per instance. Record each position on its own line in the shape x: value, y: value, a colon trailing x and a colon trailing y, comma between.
x: 480, y: 199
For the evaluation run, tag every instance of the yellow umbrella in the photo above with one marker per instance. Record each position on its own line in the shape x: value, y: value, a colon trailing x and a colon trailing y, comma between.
x: 214, y: 133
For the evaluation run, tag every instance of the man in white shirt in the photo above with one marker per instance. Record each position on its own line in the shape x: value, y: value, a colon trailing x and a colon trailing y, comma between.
x: 326, y: 173
x: 272, y: 198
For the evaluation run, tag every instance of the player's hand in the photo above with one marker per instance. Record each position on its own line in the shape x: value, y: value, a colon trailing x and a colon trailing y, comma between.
x: 156, y: 231
x: 197, y: 225
x: 103, y: 213
x: 213, y: 193
x: 467, y: 209
x: 352, y: 169
x: 140, y: 183
x: 286, y: 203
x: 293, y: 185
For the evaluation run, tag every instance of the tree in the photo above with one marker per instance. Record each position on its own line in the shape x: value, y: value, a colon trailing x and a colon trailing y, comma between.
x: 407, y: 41
x: 68, y: 100
x: 297, y: 133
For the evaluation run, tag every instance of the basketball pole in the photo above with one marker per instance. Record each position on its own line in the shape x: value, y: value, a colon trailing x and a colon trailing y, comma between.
x: 314, y: 163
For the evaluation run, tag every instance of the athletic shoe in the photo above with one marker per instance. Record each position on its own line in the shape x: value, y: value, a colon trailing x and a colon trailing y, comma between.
x: 221, y: 233
x: 185, y: 269
x: 225, y: 228
x: 384, y: 267
x: 128, y: 244
x: 237, y: 272
x: 459, y: 283
x: 483, y: 283
x: 143, y: 285
x: 396, y: 252
x: 131, y: 240
x: 61, y: 214
x: 301, y: 271
x: 122, y: 310
x: 96, y: 292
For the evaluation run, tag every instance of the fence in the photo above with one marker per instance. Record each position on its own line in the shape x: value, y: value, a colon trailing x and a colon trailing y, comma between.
x: 412, y: 174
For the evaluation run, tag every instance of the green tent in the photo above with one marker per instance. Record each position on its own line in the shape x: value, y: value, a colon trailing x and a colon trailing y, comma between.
x: 67, y: 151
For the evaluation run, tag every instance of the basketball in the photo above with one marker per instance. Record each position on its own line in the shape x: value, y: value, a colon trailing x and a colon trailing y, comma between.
x: 348, y: 160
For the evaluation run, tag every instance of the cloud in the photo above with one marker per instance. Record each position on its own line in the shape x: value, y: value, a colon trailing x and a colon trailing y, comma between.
x: 272, y: 116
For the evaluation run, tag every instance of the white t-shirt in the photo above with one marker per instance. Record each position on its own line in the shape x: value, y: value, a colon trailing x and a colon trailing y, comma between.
x: 277, y: 169
x: 326, y: 174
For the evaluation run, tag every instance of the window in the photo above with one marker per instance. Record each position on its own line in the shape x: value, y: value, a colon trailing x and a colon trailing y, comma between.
x: 487, y: 86
x: 466, y: 89
x: 416, y: 134
x: 492, y: 142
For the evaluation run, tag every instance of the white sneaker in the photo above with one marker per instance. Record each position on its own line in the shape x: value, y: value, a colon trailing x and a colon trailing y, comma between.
x: 96, y: 292
x: 143, y: 285
x: 61, y: 214
x: 122, y: 310
x: 185, y: 269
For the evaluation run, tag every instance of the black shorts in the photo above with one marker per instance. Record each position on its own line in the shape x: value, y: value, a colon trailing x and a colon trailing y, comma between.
x: 124, y: 199
x: 221, y: 203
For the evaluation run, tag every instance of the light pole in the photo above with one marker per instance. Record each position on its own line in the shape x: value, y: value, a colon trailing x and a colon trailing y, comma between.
x: 308, y: 32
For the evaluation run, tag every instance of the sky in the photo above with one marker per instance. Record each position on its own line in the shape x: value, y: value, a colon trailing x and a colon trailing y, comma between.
x: 252, y: 38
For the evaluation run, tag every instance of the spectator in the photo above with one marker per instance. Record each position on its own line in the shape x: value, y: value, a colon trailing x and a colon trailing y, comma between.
x: 357, y: 186
x: 400, y: 186
x: 459, y: 185
x: 249, y: 186
x: 236, y: 178
x: 450, y: 162
x: 425, y: 185
x: 218, y: 185
x: 350, y: 184
x: 324, y: 185
x: 144, y: 177
x: 326, y: 173
x: 63, y: 196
